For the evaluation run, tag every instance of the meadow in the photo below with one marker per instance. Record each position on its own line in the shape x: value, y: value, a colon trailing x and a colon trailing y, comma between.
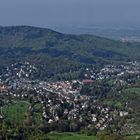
x: 15, y: 113
x: 69, y: 136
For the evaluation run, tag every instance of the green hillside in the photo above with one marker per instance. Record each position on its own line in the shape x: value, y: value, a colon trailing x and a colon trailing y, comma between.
x: 22, y: 41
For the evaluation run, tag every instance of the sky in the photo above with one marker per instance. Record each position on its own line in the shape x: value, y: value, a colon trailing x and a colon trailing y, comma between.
x: 50, y: 13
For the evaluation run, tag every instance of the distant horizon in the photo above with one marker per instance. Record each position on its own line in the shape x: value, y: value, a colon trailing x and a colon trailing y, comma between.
x: 74, y: 26
x: 119, y: 33
x: 74, y: 13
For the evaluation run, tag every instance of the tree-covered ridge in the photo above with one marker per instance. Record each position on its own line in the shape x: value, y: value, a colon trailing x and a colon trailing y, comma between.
x: 25, y: 40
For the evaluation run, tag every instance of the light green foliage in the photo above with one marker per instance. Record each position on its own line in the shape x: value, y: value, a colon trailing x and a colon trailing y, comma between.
x: 70, y: 136
x: 15, y: 113
x: 134, y: 90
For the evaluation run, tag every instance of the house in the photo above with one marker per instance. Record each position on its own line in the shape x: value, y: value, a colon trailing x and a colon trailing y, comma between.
x: 2, y: 88
x: 87, y: 82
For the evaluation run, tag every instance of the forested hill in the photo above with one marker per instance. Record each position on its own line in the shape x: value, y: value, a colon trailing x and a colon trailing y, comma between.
x: 17, y: 42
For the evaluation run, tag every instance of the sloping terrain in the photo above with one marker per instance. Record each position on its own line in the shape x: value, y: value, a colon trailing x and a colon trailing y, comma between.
x: 22, y: 41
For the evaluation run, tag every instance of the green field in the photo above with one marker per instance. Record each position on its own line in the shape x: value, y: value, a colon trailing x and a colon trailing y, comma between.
x: 36, y: 116
x: 69, y: 136
x: 133, y: 90
x: 15, y: 112
x: 133, y: 137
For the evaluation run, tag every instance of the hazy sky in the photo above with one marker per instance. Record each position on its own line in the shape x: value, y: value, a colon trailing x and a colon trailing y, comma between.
x: 70, y: 12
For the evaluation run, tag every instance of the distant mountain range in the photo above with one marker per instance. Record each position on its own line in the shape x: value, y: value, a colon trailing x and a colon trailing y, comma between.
x: 20, y: 42
x: 131, y: 34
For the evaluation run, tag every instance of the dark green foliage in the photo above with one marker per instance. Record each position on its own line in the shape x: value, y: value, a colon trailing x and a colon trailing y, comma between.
x: 25, y: 40
x: 60, y: 56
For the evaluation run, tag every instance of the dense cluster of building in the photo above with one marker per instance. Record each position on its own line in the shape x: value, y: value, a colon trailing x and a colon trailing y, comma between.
x: 63, y: 99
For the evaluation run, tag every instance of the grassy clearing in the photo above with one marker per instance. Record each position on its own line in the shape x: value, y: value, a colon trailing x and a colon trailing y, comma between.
x: 133, y: 137
x: 15, y: 112
x: 37, y: 117
x: 133, y: 90
x: 69, y: 136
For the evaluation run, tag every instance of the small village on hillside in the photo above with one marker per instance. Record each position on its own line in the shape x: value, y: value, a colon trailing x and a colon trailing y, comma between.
x: 78, y: 103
